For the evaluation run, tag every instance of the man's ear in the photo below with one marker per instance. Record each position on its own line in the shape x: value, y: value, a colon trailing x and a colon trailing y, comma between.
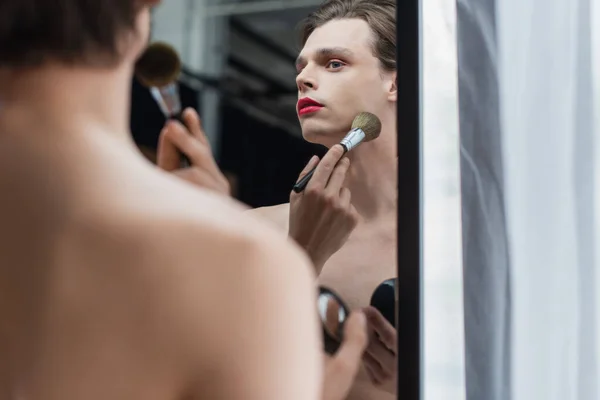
x: 393, y: 88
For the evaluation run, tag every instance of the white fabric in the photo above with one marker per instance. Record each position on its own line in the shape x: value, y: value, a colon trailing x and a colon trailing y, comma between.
x: 487, y: 296
x: 548, y: 134
x: 443, y: 351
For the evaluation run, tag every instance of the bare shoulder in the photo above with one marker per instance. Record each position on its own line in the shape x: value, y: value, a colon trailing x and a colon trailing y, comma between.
x: 277, y: 215
x: 220, y: 300
x: 243, y: 307
x: 192, y: 231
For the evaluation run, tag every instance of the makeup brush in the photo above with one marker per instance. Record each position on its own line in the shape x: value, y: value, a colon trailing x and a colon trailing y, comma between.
x: 365, y: 128
x: 158, y: 69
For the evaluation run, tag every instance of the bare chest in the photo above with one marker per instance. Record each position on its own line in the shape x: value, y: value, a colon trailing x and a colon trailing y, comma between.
x: 362, y: 264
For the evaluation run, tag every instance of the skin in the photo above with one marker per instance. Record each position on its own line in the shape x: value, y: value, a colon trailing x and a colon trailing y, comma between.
x: 352, y: 260
x: 118, y: 281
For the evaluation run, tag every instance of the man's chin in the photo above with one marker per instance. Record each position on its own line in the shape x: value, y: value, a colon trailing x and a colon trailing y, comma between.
x: 322, y: 135
x: 324, y: 140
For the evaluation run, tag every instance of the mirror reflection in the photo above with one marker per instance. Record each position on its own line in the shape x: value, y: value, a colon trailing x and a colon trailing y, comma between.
x: 333, y: 313
x: 292, y: 111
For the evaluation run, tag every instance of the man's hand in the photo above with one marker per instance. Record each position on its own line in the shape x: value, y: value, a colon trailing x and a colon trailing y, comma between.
x: 341, y: 369
x: 322, y: 217
x: 380, y: 357
x: 190, y: 140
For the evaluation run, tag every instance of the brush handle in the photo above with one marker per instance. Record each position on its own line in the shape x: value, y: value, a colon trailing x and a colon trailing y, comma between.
x: 301, y: 184
x: 185, y: 161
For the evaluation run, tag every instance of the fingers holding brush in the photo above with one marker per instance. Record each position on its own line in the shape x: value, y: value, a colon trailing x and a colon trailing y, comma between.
x: 337, y: 178
x: 168, y: 154
x: 174, y: 141
x: 365, y: 128
x: 192, y: 121
x: 312, y: 164
x: 325, y: 168
x: 322, y: 217
x: 190, y: 140
x: 200, y: 153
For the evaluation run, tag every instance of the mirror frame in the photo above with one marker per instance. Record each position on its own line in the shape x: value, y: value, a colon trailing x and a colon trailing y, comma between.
x: 410, y: 201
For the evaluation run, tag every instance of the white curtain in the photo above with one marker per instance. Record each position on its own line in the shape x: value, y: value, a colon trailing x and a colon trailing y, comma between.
x: 529, y: 136
x: 442, y: 264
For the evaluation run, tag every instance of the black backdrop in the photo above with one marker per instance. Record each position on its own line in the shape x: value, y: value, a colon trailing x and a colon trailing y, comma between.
x: 265, y: 160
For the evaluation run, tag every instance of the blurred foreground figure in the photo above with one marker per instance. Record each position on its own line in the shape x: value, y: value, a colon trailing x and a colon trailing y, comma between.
x: 118, y: 281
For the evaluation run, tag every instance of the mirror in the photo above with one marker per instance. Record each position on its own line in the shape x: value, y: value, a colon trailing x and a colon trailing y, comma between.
x: 333, y: 313
x: 243, y: 69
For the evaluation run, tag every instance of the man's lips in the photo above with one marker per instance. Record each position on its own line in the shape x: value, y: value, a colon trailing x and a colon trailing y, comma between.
x: 308, y: 105
x: 309, y: 110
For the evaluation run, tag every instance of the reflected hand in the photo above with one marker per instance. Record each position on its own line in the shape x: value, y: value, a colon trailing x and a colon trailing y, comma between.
x: 342, y: 368
x: 380, y: 357
x: 322, y: 217
x: 191, y: 141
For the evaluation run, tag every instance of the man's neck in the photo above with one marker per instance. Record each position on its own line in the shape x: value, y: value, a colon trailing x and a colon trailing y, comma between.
x: 68, y: 100
x: 372, y: 178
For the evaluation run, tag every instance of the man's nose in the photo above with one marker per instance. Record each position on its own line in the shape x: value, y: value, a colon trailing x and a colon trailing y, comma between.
x: 306, y: 82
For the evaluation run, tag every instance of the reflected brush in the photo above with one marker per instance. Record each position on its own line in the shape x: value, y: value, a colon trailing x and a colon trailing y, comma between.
x: 365, y: 127
x: 158, y: 69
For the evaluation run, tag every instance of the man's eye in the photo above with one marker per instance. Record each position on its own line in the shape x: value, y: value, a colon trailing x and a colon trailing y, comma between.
x: 335, y: 64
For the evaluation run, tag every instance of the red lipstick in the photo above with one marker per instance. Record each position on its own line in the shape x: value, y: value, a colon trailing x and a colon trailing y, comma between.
x: 307, y: 105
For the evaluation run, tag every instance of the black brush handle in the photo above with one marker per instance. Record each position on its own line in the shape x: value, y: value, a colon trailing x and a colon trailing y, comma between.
x: 185, y: 161
x: 301, y: 184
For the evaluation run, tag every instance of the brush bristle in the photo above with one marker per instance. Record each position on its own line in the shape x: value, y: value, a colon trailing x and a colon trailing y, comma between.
x: 369, y: 123
x: 158, y: 66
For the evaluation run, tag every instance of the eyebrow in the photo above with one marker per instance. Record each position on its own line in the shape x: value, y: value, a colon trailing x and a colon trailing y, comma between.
x: 327, y: 52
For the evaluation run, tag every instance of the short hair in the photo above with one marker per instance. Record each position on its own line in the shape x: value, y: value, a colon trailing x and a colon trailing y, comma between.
x: 33, y: 32
x: 379, y: 14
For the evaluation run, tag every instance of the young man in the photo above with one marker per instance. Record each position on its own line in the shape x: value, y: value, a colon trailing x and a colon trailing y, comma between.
x: 348, y: 65
x: 116, y: 280
x: 346, y: 217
